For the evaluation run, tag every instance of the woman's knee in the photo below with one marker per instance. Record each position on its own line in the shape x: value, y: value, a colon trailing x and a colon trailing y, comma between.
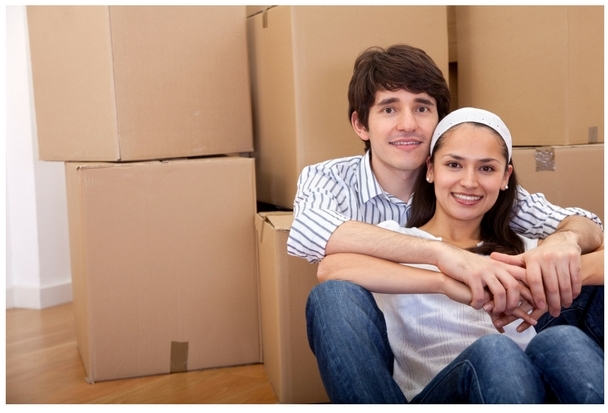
x: 561, y: 340
x: 338, y: 293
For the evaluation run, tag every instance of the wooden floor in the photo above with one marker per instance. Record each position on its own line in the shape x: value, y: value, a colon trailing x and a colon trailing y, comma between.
x: 43, y: 366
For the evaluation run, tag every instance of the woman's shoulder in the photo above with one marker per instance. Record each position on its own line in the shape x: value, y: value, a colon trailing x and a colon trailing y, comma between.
x: 529, y: 243
x: 416, y: 232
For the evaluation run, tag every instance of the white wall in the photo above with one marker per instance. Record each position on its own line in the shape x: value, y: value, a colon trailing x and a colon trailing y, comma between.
x: 37, y: 244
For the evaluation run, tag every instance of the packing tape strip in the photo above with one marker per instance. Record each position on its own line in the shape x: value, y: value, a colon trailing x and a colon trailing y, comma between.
x: 179, y: 356
x: 545, y: 159
x: 593, y: 134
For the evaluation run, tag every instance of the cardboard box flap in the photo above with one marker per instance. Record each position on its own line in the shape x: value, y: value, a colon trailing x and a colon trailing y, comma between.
x: 280, y: 221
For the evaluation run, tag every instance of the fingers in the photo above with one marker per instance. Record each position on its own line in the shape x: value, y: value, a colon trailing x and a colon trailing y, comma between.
x: 535, y: 283
x: 499, y: 294
x: 479, y: 295
x: 516, y: 260
x: 519, y: 313
x: 553, y: 275
x: 576, y: 277
x: 534, y: 315
x: 525, y: 312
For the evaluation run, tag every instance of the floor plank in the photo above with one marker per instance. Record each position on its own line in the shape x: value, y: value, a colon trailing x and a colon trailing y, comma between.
x: 43, y: 366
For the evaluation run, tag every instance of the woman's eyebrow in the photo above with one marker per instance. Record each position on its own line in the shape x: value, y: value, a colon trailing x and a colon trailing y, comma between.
x: 459, y: 158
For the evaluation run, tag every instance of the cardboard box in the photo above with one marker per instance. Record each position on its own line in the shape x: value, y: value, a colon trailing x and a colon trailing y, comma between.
x: 540, y: 68
x: 285, y: 282
x: 137, y: 83
x: 164, y: 266
x: 301, y: 61
x: 568, y: 176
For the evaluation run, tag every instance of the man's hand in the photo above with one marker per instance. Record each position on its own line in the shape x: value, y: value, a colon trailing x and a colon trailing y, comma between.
x: 553, y: 271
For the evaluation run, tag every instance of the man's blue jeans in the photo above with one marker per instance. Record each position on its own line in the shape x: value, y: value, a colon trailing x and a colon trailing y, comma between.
x: 347, y: 334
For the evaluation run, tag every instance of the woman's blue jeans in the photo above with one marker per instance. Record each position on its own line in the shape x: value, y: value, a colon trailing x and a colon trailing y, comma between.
x: 347, y: 334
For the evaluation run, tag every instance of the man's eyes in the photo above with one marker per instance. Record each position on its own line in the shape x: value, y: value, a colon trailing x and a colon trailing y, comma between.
x: 393, y: 110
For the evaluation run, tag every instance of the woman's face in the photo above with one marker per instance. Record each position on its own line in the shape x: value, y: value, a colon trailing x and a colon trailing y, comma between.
x: 469, y: 170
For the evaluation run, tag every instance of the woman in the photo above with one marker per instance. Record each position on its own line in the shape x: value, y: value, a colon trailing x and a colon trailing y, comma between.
x: 448, y: 352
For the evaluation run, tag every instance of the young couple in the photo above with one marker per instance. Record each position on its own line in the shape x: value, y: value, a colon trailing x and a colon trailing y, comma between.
x: 428, y: 346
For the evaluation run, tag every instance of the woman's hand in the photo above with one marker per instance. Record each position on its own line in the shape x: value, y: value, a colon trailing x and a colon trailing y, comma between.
x: 525, y: 312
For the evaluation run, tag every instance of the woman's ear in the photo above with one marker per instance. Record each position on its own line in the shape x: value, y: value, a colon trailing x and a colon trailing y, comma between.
x: 429, y: 170
x: 505, y: 178
x: 360, y: 130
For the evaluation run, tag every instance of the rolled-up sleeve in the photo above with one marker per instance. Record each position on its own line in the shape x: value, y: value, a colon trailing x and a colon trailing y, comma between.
x: 317, y: 213
x: 535, y: 217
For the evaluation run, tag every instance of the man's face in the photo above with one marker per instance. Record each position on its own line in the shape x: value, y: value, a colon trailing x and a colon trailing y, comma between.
x: 400, y: 128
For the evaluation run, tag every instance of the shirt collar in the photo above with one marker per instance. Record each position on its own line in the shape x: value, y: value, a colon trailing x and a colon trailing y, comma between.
x: 370, y: 187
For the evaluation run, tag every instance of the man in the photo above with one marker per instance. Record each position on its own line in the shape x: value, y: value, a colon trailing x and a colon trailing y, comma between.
x: 396, y: 97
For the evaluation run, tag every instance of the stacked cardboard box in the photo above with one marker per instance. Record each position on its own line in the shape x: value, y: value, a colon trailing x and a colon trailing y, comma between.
x: 140, y: 83
x: 157, y: 287
x: 568, y: 176
x: 541, y: 70
x: 285, y: 282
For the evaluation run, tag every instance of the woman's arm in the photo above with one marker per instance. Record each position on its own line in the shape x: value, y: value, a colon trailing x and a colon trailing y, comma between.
x: 477, y: 272
x: 382, y: 276
x: 592, y: 267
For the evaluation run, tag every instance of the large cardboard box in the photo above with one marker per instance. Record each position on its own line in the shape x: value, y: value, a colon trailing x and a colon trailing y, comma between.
x: 568, y: 176
x: 136, y: 83
x: 301, y: 61
x: 164, y: 265
x: 285, y: 282
x: 540, y: 68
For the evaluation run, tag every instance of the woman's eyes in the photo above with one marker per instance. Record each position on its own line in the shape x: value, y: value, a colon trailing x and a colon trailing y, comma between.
x: 486, y: 168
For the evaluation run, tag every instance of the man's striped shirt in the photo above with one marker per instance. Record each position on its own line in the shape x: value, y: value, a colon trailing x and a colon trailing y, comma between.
x: 335, y: 191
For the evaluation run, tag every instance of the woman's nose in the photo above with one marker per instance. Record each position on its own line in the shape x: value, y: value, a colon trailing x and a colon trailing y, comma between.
x: 469, y: 178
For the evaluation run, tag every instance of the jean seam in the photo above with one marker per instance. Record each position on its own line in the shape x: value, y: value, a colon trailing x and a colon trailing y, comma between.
x: 474, y: 372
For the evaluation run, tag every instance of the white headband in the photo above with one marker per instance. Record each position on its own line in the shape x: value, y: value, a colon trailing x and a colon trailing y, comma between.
x: 473, y: 115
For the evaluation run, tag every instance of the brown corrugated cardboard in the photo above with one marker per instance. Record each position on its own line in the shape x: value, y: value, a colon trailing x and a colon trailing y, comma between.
x: 301, y: 61
x: 164, y: 266
x: 285, y: 282
x: 541, y: 69
x: 135, y: 83
x: 568, y: 176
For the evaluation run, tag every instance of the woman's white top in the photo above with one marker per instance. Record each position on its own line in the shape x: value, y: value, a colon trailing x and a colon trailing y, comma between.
x: 428, y: 331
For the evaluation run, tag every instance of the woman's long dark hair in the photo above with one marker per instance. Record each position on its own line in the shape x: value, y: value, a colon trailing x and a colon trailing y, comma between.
x: 496, y: 234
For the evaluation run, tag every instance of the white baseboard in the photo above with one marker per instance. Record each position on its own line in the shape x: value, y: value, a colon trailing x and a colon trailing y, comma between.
x: 38, y: 298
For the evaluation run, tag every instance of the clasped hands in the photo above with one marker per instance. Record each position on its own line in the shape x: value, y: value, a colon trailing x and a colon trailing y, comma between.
x: 549, y: 278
